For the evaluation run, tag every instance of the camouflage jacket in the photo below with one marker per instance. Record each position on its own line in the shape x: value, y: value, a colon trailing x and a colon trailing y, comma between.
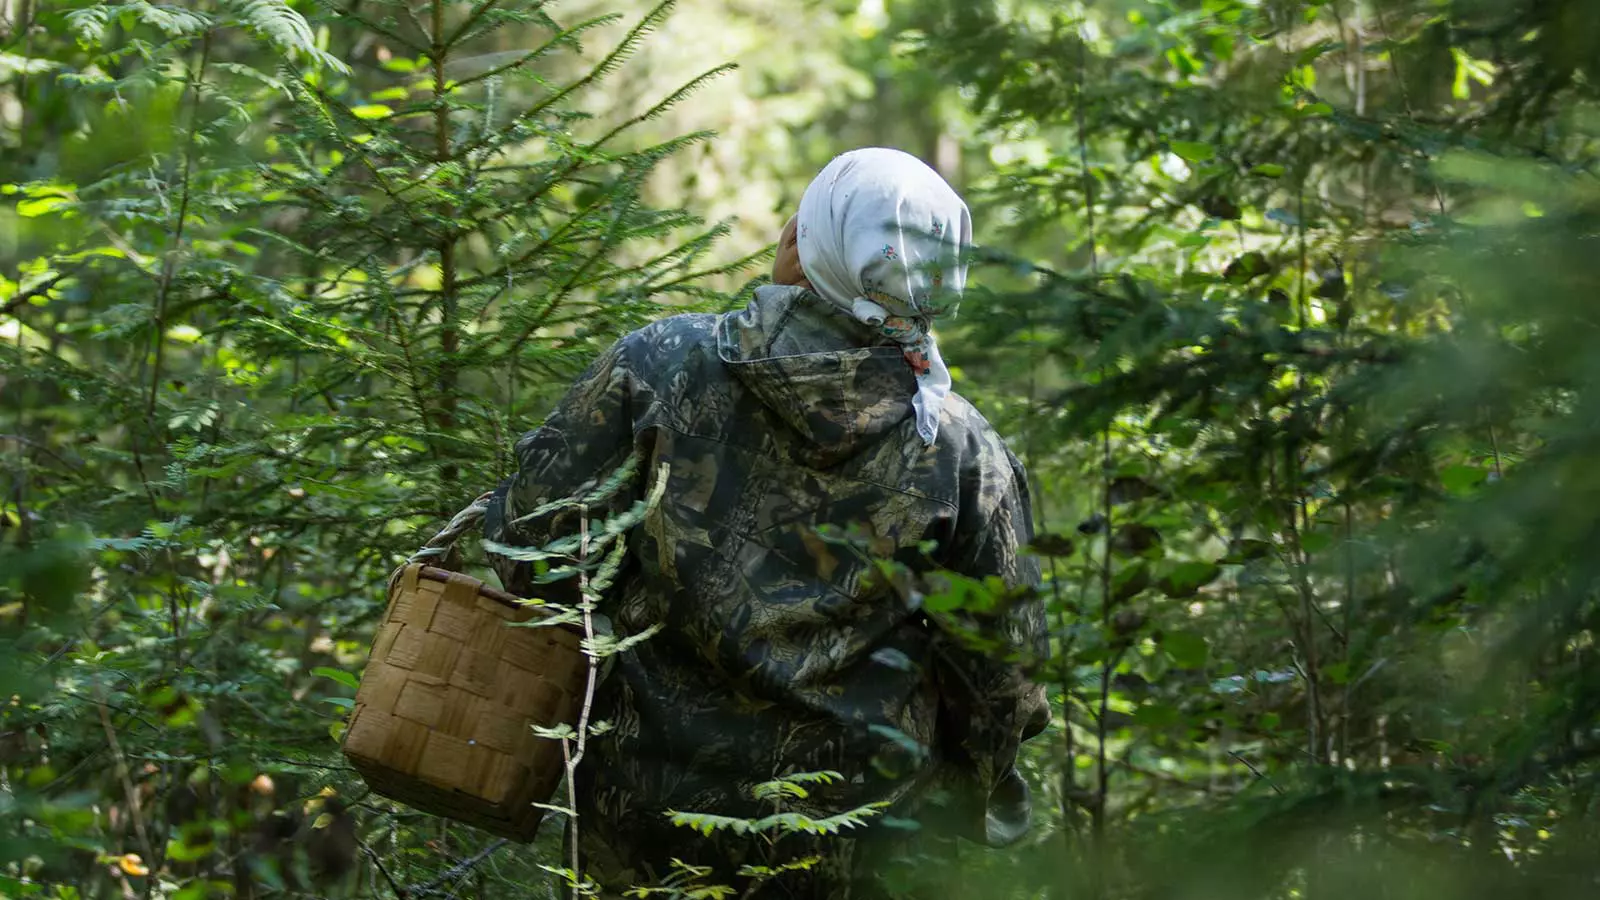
x: 779, y: 650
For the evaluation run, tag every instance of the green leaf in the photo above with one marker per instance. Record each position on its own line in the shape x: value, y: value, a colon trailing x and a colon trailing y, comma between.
x: 1186, y: 649
x: 1314, y: 52
x: 1315, y: 541
x: 1268, y: 170
x: 182, y: 851
x: 1461, y: 480
x: 769, y: 791
x: 204, y: 890
x: 1156, y: 715
x: 1128, y: 583
x: 1052, y: 545
x: 604, y: 645
x: 12, y: 887
x: 1247, y: 267
x: 275, y: 22
x: 1193, y: 151
x: 825, y: 776
x: 11, y: 64
x: 1188, y: 578
x: 371, y: 111
x: 33, y: 207
x: 1469, y: 69
x: 707, y: 823
x: 1246, y: 550
x: 339, y: 675
x: 558, y: 733
x: 341, y: 702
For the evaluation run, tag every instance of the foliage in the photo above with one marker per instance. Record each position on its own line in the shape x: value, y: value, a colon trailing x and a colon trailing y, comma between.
x: 692, y: 882
x: 1284, y: 303
x: 282, y: 293
x: 1295, y: 375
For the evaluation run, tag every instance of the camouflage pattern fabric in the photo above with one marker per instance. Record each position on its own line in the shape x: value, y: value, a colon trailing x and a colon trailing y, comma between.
x: 780, y: 652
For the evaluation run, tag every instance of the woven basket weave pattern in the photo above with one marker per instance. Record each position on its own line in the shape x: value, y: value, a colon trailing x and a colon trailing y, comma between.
x: 444, y: 715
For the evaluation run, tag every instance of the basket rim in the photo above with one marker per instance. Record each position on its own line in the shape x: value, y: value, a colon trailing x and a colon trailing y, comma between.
x: 444, y: 576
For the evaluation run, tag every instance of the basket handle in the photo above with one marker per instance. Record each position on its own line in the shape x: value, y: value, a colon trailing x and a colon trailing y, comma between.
x: 440, y: 544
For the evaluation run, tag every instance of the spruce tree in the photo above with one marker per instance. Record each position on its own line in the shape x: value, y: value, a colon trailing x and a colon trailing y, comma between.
x: 288, y: 287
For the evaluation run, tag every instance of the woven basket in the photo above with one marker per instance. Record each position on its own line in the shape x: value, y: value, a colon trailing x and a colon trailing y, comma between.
x: 443, y: 719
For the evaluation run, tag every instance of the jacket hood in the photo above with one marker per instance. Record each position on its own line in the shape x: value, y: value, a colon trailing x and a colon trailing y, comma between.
x: 838, y: 384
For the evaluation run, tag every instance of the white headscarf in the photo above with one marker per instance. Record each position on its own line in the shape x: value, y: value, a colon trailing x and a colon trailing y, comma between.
x: 883, y: 237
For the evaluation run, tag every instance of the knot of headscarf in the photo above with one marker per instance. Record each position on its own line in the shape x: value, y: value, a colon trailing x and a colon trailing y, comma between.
x: 882, y: 237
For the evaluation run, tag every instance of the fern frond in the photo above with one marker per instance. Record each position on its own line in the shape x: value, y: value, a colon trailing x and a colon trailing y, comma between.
x: 91, y: 24
x: 13, y: 64
x: 284, y: 29
x: 252, y: 74
x: 795, y: 823
x: 612, y: 564
x: 708, y: 824
x: 604, y: 645
x: 782, y: 823
x: 779, y: 790
x: 798, y: 865
x: 827, y: 776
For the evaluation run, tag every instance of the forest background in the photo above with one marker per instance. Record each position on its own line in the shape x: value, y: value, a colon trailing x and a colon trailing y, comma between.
x: 1287, y: 305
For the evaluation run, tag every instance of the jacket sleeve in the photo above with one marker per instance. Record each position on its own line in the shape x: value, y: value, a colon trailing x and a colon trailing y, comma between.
x: 583, y: 442
x: 988, y: 704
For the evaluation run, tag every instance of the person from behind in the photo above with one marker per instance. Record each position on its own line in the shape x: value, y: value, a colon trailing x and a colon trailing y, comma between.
x: 801, y: 438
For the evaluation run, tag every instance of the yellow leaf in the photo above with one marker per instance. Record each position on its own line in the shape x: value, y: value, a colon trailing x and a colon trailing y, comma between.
x: 81, y: 255
x: 371, y: 111
x: 322, y: 821
x: 38, y: 206
x: 132, y: 864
